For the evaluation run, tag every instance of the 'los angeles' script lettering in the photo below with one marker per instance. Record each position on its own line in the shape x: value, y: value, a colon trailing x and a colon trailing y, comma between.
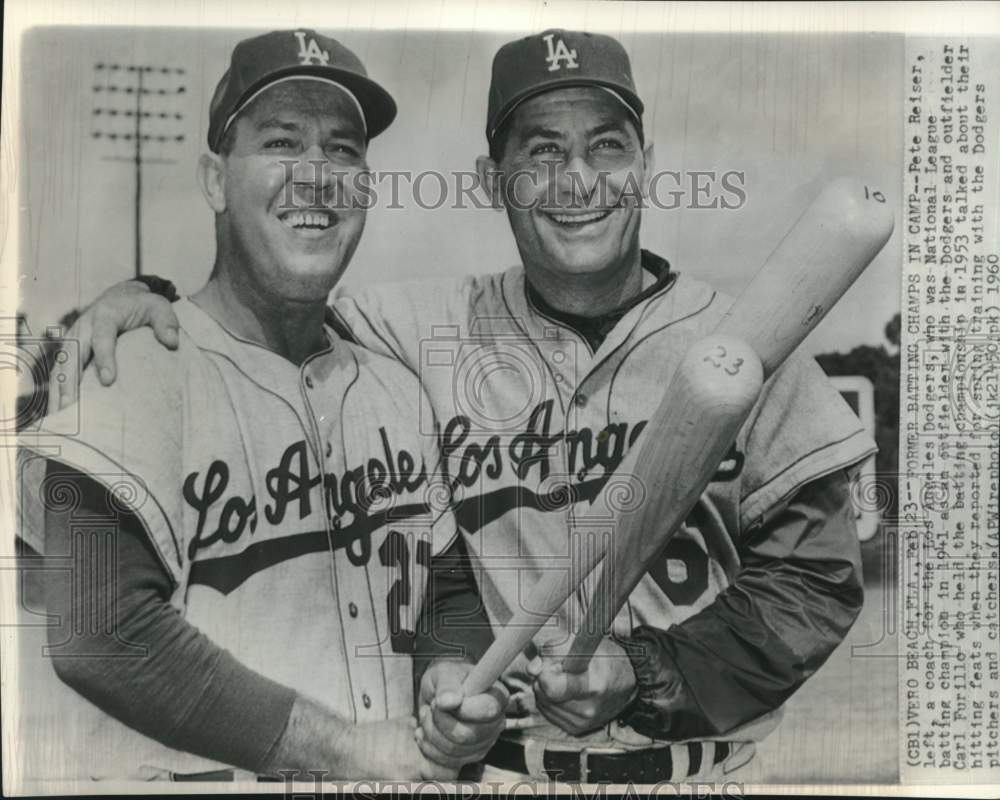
x: 538, y: 448
x: 289, y: 488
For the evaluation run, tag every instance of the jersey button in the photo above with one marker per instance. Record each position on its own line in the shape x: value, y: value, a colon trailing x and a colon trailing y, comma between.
x: 581, y: 400
x: 329, y: 449
x: 352, y: 609
x: 366, y: 700
x: 309, y: 381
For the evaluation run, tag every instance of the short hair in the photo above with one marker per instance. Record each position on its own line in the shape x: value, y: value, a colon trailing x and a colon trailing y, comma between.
x: 228, y: 140
x: 498, y: 144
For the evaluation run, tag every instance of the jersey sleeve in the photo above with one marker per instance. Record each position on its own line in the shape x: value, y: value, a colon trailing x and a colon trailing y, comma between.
x: 800, y: 429
x: 127, y: 437
x: 455, y: 623
x: 796, y: 596
x: 153, y: 695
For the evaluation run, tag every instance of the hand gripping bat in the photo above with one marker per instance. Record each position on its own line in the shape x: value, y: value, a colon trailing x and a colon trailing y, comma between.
x: 824, y: 252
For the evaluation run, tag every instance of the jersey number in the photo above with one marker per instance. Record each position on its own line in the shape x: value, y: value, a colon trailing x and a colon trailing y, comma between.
x: 395, y: 552
x: 682, y: 590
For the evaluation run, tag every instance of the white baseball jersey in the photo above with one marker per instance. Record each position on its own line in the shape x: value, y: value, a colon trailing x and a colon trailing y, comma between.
x: 525, y: 408
x: 255, y: 480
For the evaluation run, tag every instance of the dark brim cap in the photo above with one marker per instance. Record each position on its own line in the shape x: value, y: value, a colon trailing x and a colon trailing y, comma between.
x: 558, y: 59
x: 280, y: 55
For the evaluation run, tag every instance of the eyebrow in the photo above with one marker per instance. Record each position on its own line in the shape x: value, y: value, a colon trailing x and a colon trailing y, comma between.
x: 538, y: 130
x: 275, y: 122
x: 346, y: 133
x: 549, y: 133
x: 607, y: 127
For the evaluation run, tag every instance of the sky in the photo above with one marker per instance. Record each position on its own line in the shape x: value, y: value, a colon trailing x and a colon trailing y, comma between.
x: 789, y: 111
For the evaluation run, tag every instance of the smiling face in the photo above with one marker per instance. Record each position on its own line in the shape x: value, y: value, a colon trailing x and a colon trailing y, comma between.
x: 573, y: 169
x: 287, y: 223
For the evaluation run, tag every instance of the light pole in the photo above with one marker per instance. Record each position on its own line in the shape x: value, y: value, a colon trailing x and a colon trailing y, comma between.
x: 138, y: 104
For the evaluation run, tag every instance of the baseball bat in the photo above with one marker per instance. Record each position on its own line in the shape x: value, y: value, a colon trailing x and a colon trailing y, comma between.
x: 822, y: 254
x: 820, y: 257
x: 707, y: 399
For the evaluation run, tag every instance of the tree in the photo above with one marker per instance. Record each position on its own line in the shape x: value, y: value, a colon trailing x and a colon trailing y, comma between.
x: 892, y: 330
x: 881, y: 367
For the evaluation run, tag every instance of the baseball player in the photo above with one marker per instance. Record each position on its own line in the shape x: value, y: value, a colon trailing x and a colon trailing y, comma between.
x: 276, y: 506
x: 542, y: 376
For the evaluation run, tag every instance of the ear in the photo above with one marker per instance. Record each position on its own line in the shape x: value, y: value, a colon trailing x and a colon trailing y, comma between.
x: 491, y: 179
x: 212, y: 180
x: 649, y: 164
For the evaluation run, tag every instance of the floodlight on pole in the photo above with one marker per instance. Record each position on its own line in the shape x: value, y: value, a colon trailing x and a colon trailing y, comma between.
x: 141, y: 105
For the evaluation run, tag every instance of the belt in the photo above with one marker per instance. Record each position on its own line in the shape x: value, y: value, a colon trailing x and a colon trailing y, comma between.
x: 611, y: 764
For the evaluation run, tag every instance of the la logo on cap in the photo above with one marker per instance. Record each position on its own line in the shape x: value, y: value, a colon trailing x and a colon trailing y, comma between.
x: 558, y: 53
x: 308, y: 52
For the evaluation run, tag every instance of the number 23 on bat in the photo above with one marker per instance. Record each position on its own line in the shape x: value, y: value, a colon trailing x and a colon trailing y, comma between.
x: 717, y: 359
